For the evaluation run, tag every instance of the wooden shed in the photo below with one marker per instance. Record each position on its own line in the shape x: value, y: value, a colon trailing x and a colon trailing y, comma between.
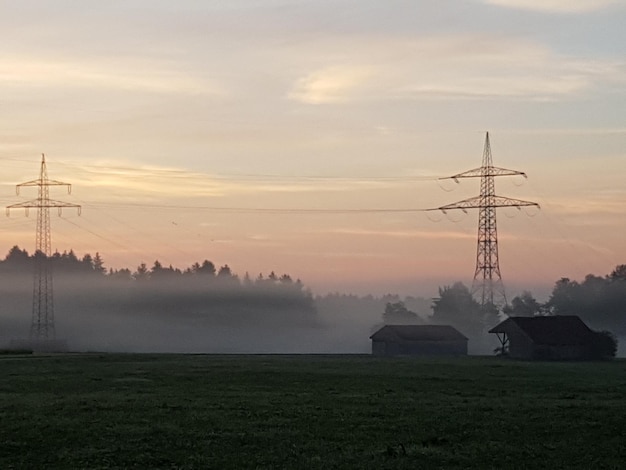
x: 418, y: 340
x: 561, y: 337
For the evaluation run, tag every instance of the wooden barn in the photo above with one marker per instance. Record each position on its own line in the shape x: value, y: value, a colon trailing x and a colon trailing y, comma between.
x: 418, y: 340
x: 563, y: 337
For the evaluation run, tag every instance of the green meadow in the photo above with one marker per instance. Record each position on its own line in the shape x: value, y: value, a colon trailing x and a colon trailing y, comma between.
x: 106, y: 411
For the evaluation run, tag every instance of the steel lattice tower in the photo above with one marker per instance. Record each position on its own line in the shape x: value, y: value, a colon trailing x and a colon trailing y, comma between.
x: 42, y: 322
x: 487, y: 277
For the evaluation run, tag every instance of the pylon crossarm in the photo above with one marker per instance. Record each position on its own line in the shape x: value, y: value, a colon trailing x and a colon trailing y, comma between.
x: 40, y: 182
x: 479, y: 202
x: 500, y: 201
x: 481, y: 172
x: 60, y: 204
x: 471, y: 203
x: 43, y: 203
x: 29, y: 183
x: 58, y: 183
x: 21, y: 205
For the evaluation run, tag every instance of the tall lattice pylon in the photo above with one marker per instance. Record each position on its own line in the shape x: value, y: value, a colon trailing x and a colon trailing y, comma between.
x: 487, y: 282
x: 42, y: 324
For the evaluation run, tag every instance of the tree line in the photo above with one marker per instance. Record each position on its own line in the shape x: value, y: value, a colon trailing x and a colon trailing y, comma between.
x: 68, y: 262
x: 600, y: 301
x: 85, y: 284
x: 206, y: 290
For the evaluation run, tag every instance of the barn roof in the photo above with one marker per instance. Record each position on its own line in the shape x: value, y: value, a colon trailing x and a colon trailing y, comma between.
x: 418, y: 333
x: 549, y: 330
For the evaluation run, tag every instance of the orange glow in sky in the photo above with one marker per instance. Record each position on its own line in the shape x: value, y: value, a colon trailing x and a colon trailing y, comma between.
x: 266, y: 134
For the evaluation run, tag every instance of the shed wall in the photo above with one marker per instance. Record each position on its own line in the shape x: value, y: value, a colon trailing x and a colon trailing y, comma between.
x: 379, y: 348
x: 520, y: 346
x: 420, y: 348
x: 565, y: 353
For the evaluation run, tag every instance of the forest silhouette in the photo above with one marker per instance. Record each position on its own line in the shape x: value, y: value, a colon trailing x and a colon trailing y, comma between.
x: 162, y: 308
x: 205, y: 308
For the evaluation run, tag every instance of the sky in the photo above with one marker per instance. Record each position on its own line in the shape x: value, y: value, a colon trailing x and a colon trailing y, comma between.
x: 305, y: 137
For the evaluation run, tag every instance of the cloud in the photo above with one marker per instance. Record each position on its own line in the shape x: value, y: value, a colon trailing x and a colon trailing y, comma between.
x: 608, y: 131
x: 112, y: 74
x: 329, y: 85
x: 535, y: 88
x: 400, y: 233
x: 595, y: 205
x: 145, y: 184
x: 555, y: 6
x: 466, y: 66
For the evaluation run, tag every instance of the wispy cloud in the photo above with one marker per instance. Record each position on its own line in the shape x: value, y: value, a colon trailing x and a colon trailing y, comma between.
x: 596, y: 205
x: 609, y: 131
x: 399, y: 233
x: 555, y: 6
x: 115, y: 74
x: 330, y: 85
x: 152, y: 182
x: 470, y: 66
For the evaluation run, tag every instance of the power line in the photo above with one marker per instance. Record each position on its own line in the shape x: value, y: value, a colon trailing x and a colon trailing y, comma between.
x: 248, y: 210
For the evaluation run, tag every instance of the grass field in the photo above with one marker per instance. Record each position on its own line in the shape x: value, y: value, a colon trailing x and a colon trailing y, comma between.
x: 309, y: 412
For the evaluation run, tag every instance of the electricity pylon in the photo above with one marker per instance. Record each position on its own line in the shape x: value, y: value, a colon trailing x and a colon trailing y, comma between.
x: 487, y: 277
x: 42, y: 324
